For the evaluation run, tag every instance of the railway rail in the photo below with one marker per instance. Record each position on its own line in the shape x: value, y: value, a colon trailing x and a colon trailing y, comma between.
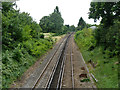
x: 72, y: 73
x: 70, y: 52
x: 53, y: 73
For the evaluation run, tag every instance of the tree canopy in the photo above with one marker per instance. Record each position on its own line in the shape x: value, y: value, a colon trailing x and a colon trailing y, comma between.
x: 108, y: 32
x: 53, y: 22
x: 107, y: 11
x: 81, y: 24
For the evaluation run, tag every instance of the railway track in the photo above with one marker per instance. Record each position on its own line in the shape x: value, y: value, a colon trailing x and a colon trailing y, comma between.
x: 51, y: 75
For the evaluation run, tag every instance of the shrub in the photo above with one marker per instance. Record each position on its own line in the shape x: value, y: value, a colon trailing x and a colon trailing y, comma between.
x: 86, y: 38
x: 42, y: 36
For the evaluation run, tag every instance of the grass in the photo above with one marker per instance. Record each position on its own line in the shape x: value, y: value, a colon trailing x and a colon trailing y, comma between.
x: 53, y: 36
x: 105, y: 73
x: 85, y: 80
x: 46, y: 35
x: 106, y: 70
x: 57, y: 38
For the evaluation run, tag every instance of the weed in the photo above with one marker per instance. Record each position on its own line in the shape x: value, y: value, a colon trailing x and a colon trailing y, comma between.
x: 85, y: 80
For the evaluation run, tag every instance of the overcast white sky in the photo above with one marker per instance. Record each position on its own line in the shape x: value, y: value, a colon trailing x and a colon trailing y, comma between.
x: 71, y: 10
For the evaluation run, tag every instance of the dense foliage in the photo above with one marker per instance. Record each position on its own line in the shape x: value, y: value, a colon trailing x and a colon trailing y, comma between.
x: 102, y: 45
x: 21, y: 41
x: 108, y: 32
x: 107, y: 11
x: 86, y: 38
x: 52, y: 23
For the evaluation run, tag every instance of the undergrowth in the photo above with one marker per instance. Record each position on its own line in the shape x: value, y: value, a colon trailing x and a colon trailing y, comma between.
x: 16, y: 61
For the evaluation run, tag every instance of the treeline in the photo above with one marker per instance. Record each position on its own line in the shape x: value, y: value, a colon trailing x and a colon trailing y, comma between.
x: 22, y: 43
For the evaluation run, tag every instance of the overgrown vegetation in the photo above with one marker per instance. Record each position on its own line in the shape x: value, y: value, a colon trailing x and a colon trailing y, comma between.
x: 22, y: 43
x: 102, y: 45
x: 105, y: 68
x: 108, y: 32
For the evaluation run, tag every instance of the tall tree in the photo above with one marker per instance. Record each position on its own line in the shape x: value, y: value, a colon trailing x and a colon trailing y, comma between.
x: 45, y: 24
x: 56, y: 10
x: 107, y: 11
x: 108, y: 31
x: 53, y: 22
x: 81, y: 23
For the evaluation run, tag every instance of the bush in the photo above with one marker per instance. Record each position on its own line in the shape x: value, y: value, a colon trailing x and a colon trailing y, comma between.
x: 15, y: 62
x: 85, y: 38
x: 109, y: 38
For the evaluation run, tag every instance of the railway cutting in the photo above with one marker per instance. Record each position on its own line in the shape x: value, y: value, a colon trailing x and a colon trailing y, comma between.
x: 63, y: 67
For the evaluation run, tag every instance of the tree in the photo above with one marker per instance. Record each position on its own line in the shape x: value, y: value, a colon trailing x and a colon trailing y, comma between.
x: 107, y: 11
x: 16, y: 26
x: 81, y: 24
x: 6, y: 6
x: 108, y: 31
x: 56, y: 10
x: 36, y: 29
x: 44, y: 23
x: 53, y: 22
x: 57, y: 21
x: 71, y: 28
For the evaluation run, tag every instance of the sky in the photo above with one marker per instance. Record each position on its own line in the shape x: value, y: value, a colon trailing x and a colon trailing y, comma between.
x: 71, y: 10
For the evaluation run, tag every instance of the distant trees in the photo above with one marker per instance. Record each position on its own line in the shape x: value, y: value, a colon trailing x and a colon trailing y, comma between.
x: 81, y: 22
x: 53, y: 22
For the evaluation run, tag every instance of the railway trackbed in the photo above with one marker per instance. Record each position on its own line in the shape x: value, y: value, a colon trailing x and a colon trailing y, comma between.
x: 45, y: 78
x: 60, y: 69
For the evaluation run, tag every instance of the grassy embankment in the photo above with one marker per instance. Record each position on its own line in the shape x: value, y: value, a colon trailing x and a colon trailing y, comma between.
x: 105, y: 68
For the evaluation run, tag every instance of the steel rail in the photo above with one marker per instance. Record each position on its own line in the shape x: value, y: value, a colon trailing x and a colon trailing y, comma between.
x: 60, y: 84
x: 52, y: 75
x: 37, y: 81
x: 62, y: 67
x: 54, y: 69
x: 72, y: 73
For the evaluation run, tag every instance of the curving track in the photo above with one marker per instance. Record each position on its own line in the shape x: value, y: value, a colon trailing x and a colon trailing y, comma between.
x: 60, y: 69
